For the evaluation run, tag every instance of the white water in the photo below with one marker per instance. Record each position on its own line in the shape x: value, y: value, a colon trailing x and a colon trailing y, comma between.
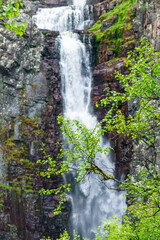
x: 92, y: 201
x: 63, y: 18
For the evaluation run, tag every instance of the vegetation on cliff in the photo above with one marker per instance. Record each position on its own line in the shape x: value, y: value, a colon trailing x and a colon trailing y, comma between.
x: 15, y: 148
x: 142, y: 88
x: 114, y: 30
x: 9, y: 11
x: 121, y: 17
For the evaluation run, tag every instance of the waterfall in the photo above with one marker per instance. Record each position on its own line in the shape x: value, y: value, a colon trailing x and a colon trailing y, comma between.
x: 76, y: 78
x: 92, y: 201
x: 64, y: 18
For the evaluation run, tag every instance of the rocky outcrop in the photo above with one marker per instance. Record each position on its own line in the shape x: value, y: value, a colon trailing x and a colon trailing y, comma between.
x: 115, y: 39
x: 147, y: 23
x: 101, y: 7
x: 22, y: 84
x: 104, y: 78
x: 30, y: 7
x: 142, y: 21
x: 30, y: 101
x: 53, y: 3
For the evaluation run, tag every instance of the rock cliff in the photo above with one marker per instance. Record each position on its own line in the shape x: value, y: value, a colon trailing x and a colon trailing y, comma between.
x: 30, y: 100
x: 115, y: 38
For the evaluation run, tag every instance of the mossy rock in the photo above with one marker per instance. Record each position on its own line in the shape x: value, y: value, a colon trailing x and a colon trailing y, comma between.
x: 124, y: 12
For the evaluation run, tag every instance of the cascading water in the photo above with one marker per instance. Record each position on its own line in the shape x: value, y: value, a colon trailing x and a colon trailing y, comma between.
x: 92, y: 201
x: 64, y: 18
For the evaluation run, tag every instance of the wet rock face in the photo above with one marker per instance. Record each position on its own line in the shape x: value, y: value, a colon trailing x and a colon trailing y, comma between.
x: 52, y: 3
x: 101, y: 7
x: 104, y: 77
x: 32, y: 6
x: 52, y: 225
x: 112, y: 52
x: 146, y: 23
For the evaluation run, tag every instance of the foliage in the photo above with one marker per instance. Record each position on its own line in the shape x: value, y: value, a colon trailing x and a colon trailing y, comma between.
x: 141, y: 89
x: 143, y: 229
x: 141, y: 86
x: 142, y: 219
x: 9, y: 11
x: 85, y: 144
x: 64, y: 236
x: 44, y: 238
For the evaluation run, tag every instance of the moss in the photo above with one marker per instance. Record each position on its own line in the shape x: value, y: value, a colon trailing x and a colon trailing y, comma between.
x: 96, y: 29
x: 125, y: 12
x: 119, y: 43
x: 33, y: 85
x: 113, y: 61
x: 16, y: 152
x: 129, y: 43
x: 119, y: 33
x: 45, y: 34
